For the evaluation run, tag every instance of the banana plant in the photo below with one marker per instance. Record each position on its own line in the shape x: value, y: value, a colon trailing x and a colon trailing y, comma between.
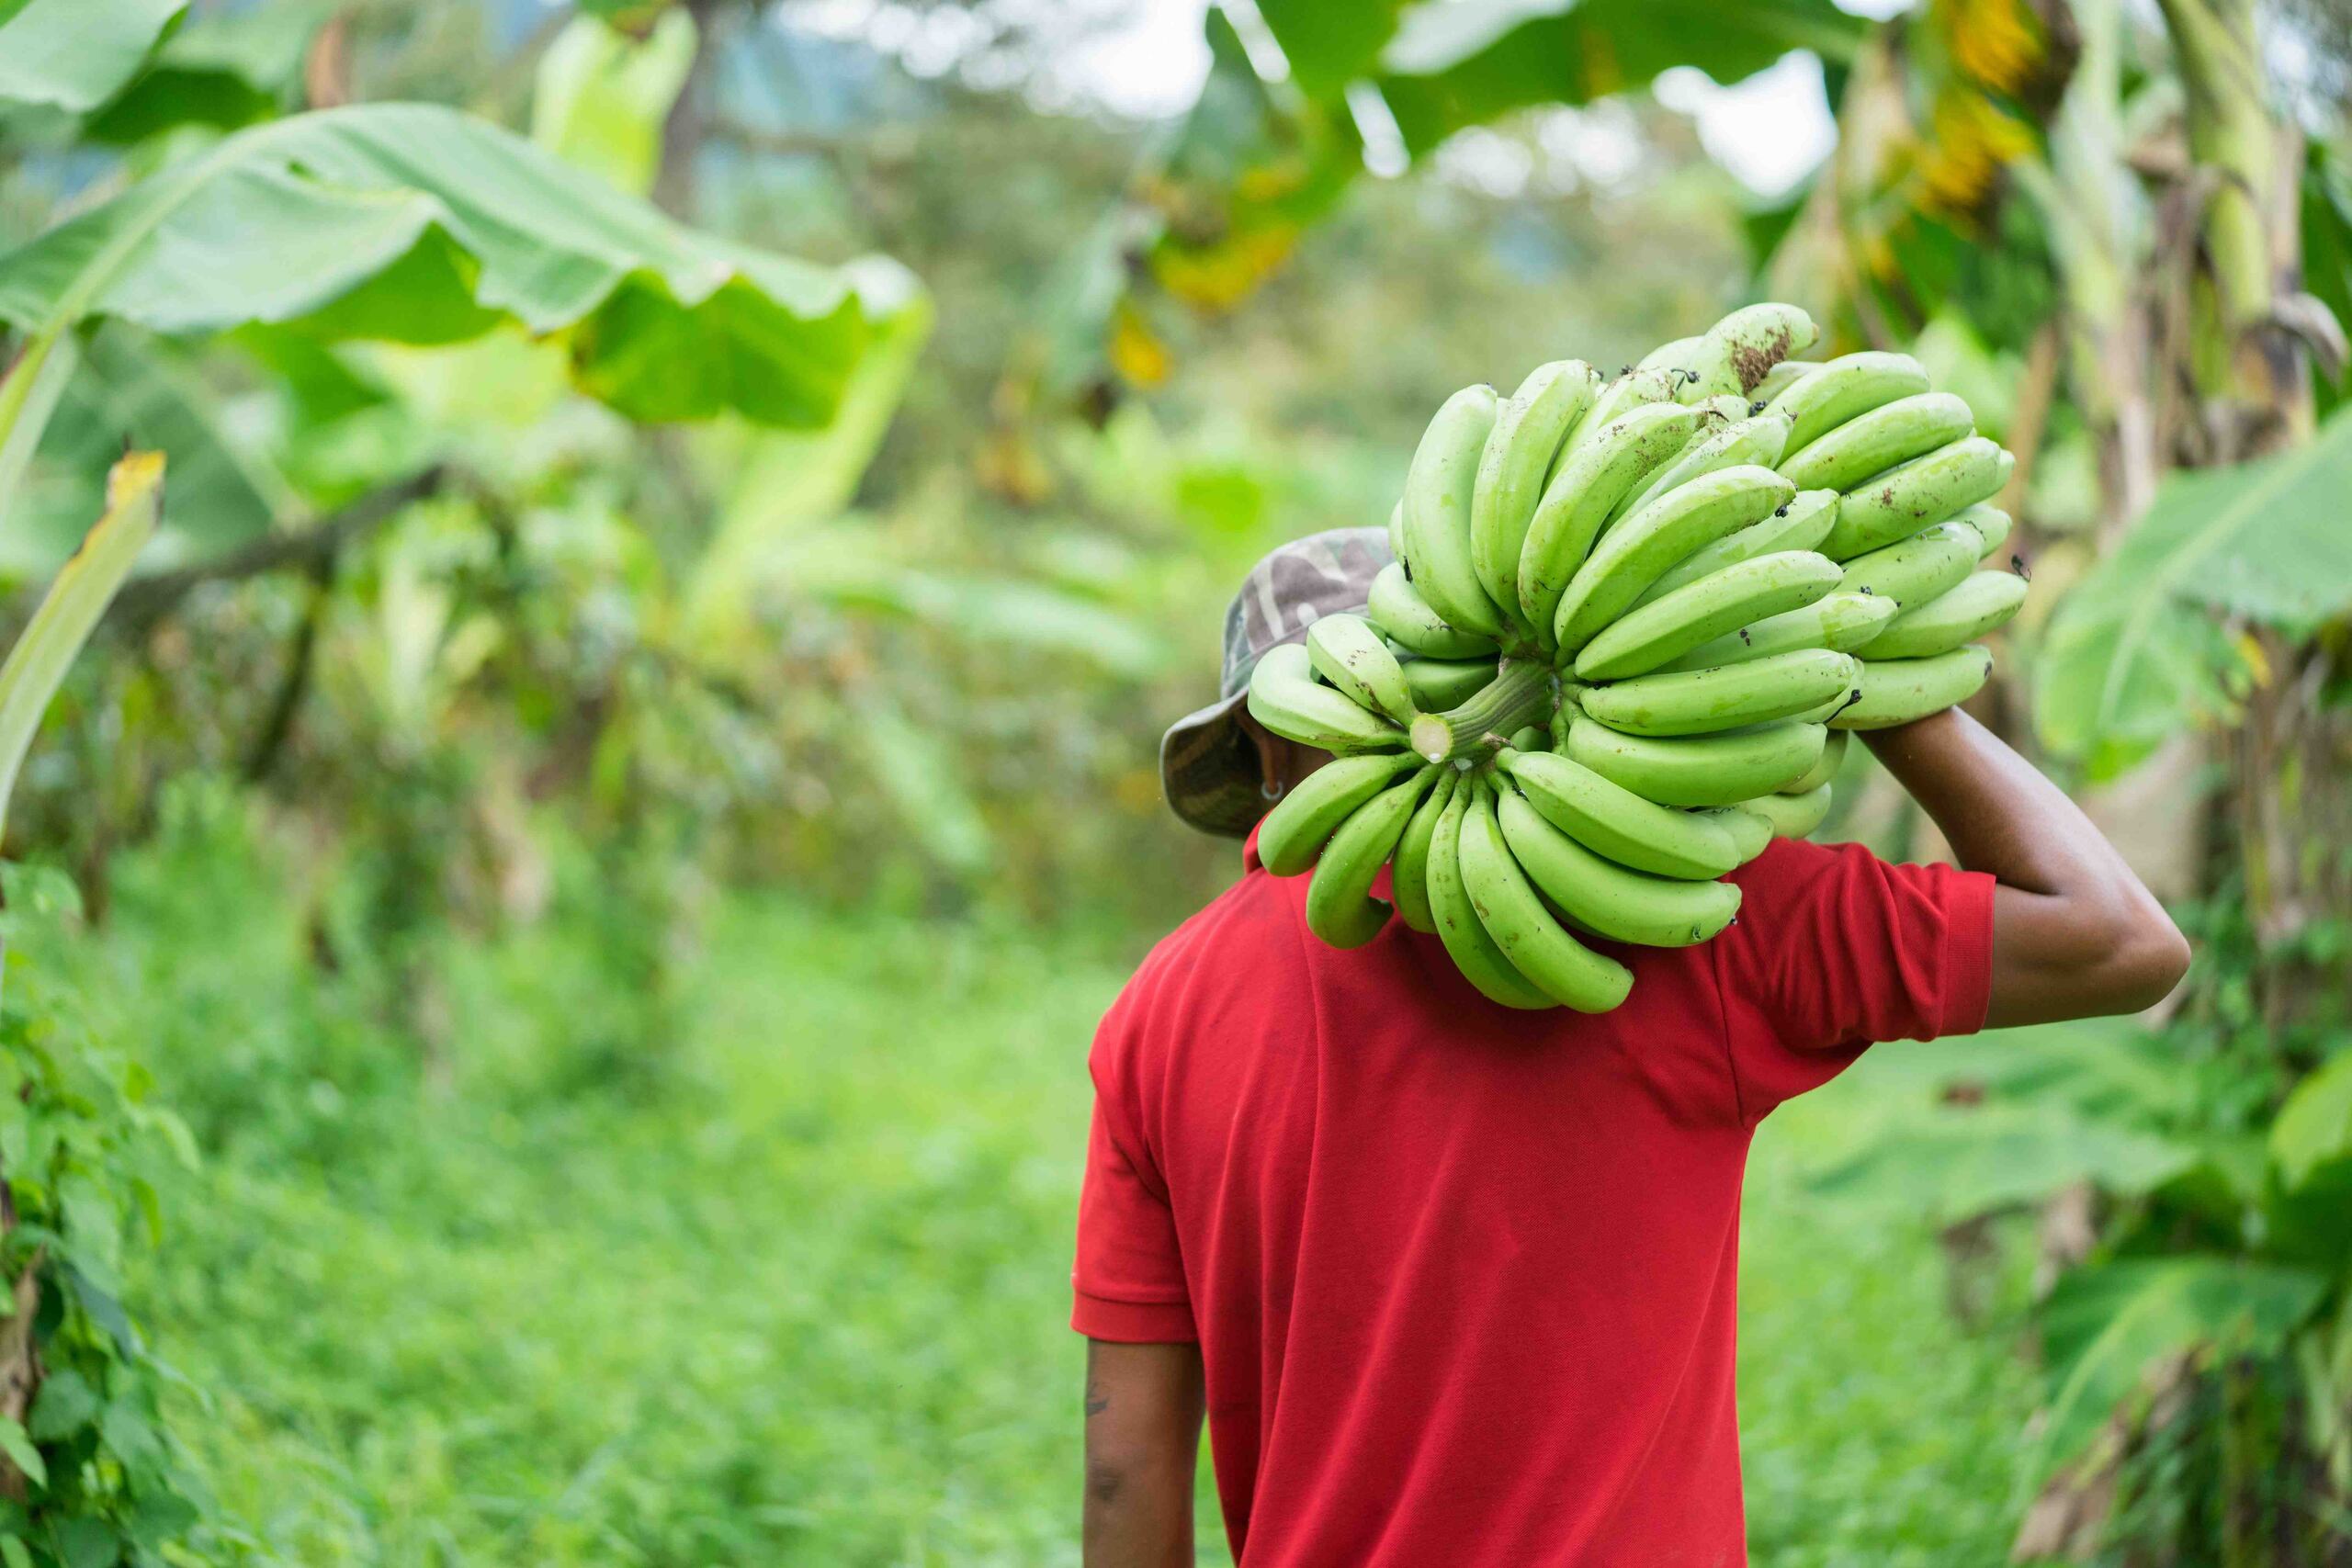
x: 2170, y: 1151
x: 69, y: 611
x: 1303, y: 95
x: 391, y: 224
x: 411, y: 224
x: 2158, y: 633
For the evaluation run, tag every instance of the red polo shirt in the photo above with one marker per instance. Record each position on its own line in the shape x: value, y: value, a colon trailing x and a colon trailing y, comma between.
x: 1465, y: 1280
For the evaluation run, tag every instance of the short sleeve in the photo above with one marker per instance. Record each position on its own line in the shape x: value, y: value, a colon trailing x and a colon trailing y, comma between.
x: 1836, y: 949
x: 1129, y: 1280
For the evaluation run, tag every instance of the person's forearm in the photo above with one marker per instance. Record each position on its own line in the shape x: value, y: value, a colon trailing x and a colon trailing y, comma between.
x: 1996, y: 810
x: 1142, y: 1439
x: 2075, y: 934
x: 1138, y: 1521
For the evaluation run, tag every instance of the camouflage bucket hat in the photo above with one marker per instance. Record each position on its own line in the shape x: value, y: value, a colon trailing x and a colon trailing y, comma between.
x: 1208, y: 767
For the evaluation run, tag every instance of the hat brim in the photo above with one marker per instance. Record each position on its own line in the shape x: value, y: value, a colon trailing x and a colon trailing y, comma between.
x: 1208, y: 770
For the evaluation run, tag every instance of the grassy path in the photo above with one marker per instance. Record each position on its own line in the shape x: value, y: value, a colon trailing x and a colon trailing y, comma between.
x: 791, y: 1288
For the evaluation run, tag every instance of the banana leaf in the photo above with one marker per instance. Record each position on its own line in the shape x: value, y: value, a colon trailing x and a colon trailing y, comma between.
x: 224, y: 69
x: 1462, y: 64
x: 2327, y: 247
x: 147, y: 395
x: 37, y: 662
x: 918, y: 773
x: 414, y: 223
x: 2311, y: 1168
x: 1957, y: 1163
x: 75, y: 54
x: 1327, y: 45
x: 2140, y: 645
x: 2106, y: 1327
x: 601, y: 97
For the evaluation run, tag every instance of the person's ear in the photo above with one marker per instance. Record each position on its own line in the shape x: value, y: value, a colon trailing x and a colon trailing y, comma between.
x: 1273, y: 758
x: 1281, y: 763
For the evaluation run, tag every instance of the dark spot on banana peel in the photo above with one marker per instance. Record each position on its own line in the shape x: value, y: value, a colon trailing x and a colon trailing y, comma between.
x: 1753, y: 365
x: 1780, y: 512
x: 1756, y: 408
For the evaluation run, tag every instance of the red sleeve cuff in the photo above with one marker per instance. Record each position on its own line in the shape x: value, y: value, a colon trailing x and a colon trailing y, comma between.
x: 1968, y: 955
x: 1133, y: 1323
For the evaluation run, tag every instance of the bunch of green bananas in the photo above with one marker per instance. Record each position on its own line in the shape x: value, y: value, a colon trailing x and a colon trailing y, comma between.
x: 1617, y: 653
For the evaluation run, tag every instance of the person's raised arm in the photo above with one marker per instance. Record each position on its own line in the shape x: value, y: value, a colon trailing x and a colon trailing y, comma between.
x: 1143, y: 1441
x: 2075, y: 934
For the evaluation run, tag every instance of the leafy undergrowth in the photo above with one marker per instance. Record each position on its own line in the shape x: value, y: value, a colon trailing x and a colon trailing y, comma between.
x: 789, y: 1286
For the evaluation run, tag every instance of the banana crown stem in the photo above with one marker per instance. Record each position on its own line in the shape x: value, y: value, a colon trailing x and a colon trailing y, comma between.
x: 1521, y: 693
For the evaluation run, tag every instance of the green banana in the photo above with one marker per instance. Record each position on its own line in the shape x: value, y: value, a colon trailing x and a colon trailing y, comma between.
x: 1896, y: 691
x: 1912, y: 571
x: 1618, y: 399
x: 1639, y: 550
x: 1981, y: 602
x: 1833, y: 756
x: 1482, y: 963
x: 1803, y: 523
x: 1605, y: 898
x: 1528, y: 737
x: 1832, y: 706
x: 1758, y: 440
x: 1781, y: 377
x: 1698, y: 769
x: 1529, y: 433
x: 1340, y: 905
x: 1438, y: 492
x: 1989, y: 521
x: 1707, y: 702
x: 1790, y: 816
x: 1612, y: 820
x: 1840, y: 621
x: 1285, y: 699
x: 1751, y: 835
x: 1843, y: 389
x: 1739, y: 351
x: 1397, y: 532
x: 1582, y: 493
x: 1672, y: 355
x: 1298, y: 827
x: 1438, y: 685
x: 1398, y: 609
x: 1649, y: 635
x: 1726, y: 408
x: 1409, y: 884
x: 1347, y: 653
x: 1903, y: 501
x: 1907, y: 428
x: 1536, y: 945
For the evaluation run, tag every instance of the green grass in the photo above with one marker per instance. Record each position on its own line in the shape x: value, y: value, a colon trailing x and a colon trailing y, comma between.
x: 790, y: 1286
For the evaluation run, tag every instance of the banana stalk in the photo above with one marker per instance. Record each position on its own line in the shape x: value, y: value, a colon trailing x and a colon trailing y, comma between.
x: 1522, y: 694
